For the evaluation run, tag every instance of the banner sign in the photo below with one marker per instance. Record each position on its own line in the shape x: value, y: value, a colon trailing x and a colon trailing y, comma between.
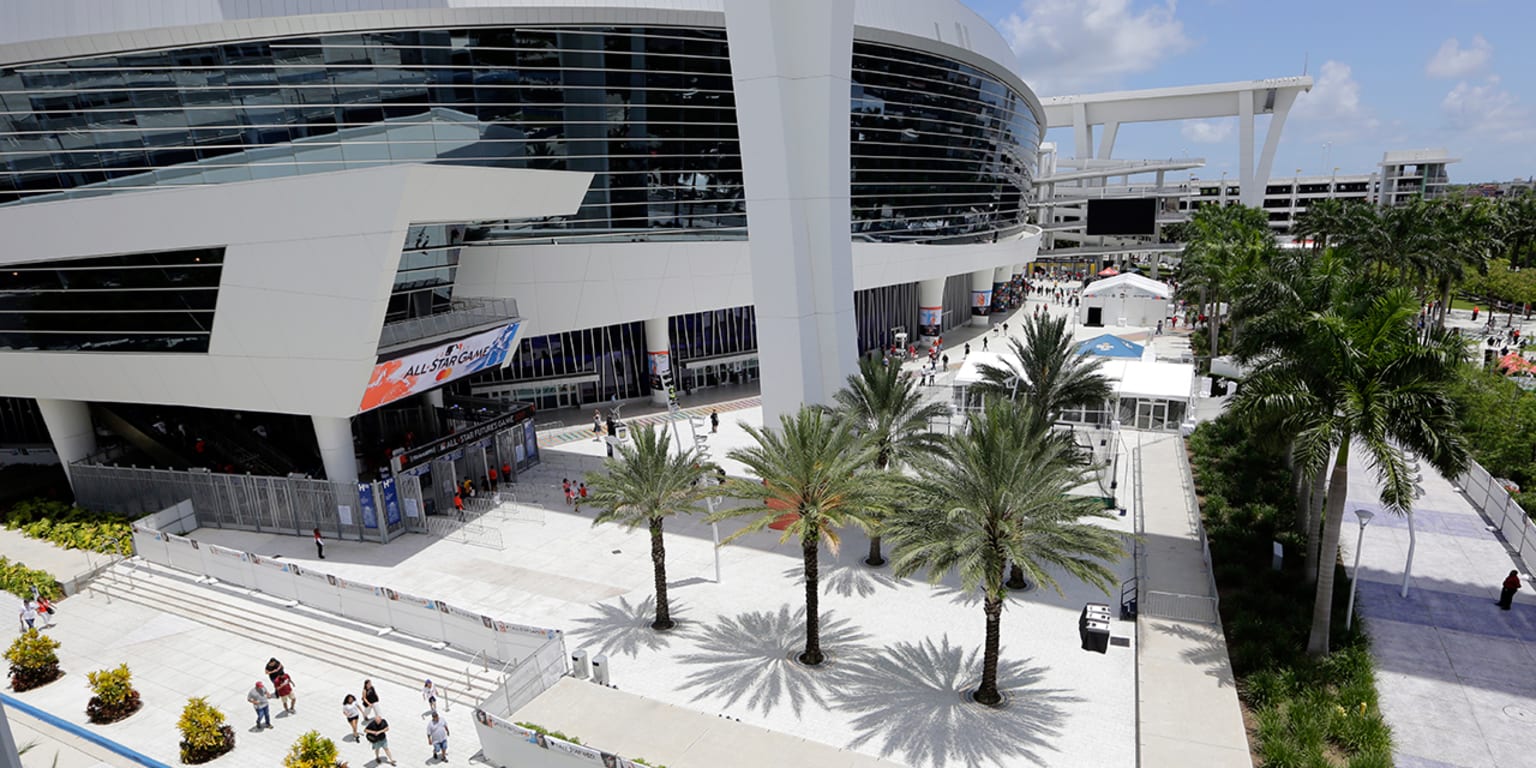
x: 233, y: 554
x: 358, y: 586
x: 365, y: 503
x: 981, y: 303
x: 439, y: 448
x: 268, y: 562
x: 605, y: 759
x: 391, y: 500
x: 420, y: 371
x: 522, y: 629
x: 929, y: 319
x: 314, y: 575
x: 419, y: 602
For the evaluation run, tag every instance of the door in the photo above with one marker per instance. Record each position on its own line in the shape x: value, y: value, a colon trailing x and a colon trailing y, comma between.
x: 1095, y: 316
x: 1151, y: 414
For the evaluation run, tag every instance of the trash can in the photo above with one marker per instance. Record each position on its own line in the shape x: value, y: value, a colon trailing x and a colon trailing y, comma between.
x: 1096, y: 636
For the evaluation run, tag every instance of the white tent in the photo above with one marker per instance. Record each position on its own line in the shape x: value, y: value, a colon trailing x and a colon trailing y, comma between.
x: 1127, y: 300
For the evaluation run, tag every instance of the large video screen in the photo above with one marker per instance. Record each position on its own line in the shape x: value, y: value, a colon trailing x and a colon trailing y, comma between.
x: 1122, y: 216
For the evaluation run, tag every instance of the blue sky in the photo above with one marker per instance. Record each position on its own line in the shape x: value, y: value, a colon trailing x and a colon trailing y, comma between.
x: 1390, y: 74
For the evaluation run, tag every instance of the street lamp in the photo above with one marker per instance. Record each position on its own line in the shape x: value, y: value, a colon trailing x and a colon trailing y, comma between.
x: 1364, y: 516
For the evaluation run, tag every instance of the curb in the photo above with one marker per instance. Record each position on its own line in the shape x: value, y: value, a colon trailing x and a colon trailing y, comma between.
x: 77, y: 731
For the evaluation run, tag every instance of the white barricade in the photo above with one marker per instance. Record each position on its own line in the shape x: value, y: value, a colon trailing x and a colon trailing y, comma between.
x: 363, y: 602
x: 230, y: 566
x: 150, y: 545
x: 316, y: 589
x: 274, y: 577
x: 182, y: 553
x: 469, y: 631
x: 414, y: 615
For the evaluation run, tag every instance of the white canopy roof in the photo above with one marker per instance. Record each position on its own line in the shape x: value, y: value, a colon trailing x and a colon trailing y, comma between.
x: 1121, y: 282
x: 1136, y: 378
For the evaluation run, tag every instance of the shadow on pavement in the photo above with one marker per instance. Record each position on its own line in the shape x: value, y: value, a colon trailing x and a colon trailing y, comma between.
x: 912, y: 699
x: 625, y: 628
x: 853, y: 579
x: 747, y: 659
x: 1208, y: 653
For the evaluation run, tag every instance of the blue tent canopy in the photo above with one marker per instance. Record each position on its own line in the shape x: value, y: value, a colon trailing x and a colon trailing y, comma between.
x: 1110, y: 346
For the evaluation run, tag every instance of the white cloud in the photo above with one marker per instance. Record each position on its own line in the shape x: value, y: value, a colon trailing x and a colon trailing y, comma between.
x: 1206, y: 131
x: 1452, y: 60
x: 1066, y: 46
x: 1489, y: 111
x: 1333, y: 106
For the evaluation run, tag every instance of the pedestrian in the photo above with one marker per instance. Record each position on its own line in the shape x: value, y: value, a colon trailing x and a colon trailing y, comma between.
x: 319, y: 544
x: 437, y: 736
x: 583, y: 493
x: 352, y: 712
x: 1475, y: 310
x: 506, y: 471
x: 377, y: 733
x: 983, y: 343
x: 597, y: 426
x: 1511, y: 586
x: 258, y: 699
x: 967, y: 349
x: 458, y: 505
x: 429, y: 693
x: 1005, y: 328
x: 1159, y: 328
x: 492, y: 472
x: 45, y: 610
x: 28, y: 615
x: 274, y: 668
x: 370, y: 699
x: 714, y: 421
x: 566, y: 489
x: 946, y: 361
x: 282, y: 685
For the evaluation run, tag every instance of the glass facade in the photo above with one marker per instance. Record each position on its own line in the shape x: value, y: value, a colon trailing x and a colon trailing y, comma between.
x: 142, y: 302
x: 429, y: 263
x: 941, y: 151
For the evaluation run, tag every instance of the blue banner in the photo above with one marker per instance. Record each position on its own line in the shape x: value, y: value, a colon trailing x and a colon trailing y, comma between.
x: 365, y: 505
x: 391, y: 500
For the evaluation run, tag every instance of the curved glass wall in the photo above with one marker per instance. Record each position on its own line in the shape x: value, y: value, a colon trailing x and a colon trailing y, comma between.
x: 941, y: 150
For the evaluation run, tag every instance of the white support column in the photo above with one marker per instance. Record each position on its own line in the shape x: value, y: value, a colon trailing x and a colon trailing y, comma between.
x: 981, y: 297
x: 1107, y: 140
x: 930, y: 309
x: 1283, y: 102
x: 70, y: 429
x: 334, y: 436
x: 658, y: 354
x: 1248, y: 193
x: 1082, y: 132
x: 791, y: 68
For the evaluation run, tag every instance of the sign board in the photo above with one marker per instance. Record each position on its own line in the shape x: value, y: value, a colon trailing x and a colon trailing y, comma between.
x: 421, y: 454
x: 391, y: 500
x: 418, y: 372
x: 365, y: 503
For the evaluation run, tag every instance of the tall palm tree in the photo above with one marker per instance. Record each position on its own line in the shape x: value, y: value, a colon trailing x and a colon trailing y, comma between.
x: 1466, y: 235
x: 1045, y: 369
x: 1226, y: 245
x: 816, y: 477
x: 998, y: 495
x: 886, y: 408
x: 1359, y: 374
x: 644, y: 485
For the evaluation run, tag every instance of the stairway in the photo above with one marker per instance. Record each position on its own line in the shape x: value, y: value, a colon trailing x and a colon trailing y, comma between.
x: 462, y: 679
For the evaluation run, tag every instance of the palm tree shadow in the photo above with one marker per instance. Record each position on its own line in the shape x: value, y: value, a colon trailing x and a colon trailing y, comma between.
x: 847, y: 580
x: 958, y: 595
x: 748, y: 659
x: 1209, y: 650
x: 913, y: 699
x: 626, y: 629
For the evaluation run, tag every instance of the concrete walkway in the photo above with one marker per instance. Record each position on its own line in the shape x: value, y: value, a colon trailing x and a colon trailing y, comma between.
x: 1453, y: 671
x: 1187, y: 703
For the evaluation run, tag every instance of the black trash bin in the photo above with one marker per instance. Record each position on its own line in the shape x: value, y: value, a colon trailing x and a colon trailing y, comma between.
x: 1093, y: 627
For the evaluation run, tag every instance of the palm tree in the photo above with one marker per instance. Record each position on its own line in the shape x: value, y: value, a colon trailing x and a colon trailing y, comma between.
x: 886, y: 408
x: 644, y: 485
x: 998, y: 495
x: 1466, y: 235
x: 1226, y: 245
x: 816, y: 477
x: 1045, y: 369
x: 1358, y: 373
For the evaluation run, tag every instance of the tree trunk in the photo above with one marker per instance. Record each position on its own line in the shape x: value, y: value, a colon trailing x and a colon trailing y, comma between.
x: 659, y: 566
x: 875, y: 559
x: 1445, y: 303
x: 1214, y: 327
x: 809, y: 549
x: 1303, y: 502
x: 987, y: 693
x: 1016, y: 578
x: 1314, y: 526
x: 1322, y: 603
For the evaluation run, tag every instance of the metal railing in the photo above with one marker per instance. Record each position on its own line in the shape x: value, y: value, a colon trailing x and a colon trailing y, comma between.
x: 465, y: 314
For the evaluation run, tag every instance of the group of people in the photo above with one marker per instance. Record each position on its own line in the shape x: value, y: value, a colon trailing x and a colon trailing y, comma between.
x: 35, y: 609
x: 575, y: 493
x: 361, y: 708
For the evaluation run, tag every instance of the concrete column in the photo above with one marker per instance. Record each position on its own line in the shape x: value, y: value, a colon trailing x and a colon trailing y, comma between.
x: 658, y: 353
x: 334, y: 436
x: 790, y: 67
x: 981, y: 297
x: 930, y: 308
x: 433, y: 398
x: 70, y: 428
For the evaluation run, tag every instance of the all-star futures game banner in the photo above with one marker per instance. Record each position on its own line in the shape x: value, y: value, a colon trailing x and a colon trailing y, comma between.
x: 421, y: 371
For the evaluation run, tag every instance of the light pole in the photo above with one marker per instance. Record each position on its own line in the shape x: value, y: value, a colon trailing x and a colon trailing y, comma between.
x: 1364, y: 516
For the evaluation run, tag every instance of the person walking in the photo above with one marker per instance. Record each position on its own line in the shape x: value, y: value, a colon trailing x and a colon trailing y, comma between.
x: 581, y: 495
x: 352, y: 712
x: 1511, y: 586
x: 570, y: 497
x: 282, y: 685
x: 597, y: 426
x: 370, y: 699
x: 262, y: 704
x: 437, y: 736
x: 714, y: 421
x: 274, y: 668
x: 946, y: 361
x: 28, y: 615
x: 45, y: 610
x: 319, y: 544
x: 429, y: 693
x: 377, y: 733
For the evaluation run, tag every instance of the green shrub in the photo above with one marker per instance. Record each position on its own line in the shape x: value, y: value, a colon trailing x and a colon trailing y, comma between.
x: 33, y: 660
x: 312, y: 751
x: 115, y: 697
x: 548, y: 732
x: 71, y: 527
x: 19, y: 580
x: 204, y: 735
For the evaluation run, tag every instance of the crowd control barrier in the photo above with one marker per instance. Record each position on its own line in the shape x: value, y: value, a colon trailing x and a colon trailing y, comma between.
x: 1491, y: 499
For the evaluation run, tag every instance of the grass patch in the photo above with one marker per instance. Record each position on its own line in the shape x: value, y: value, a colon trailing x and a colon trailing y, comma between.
x: 1312, y: 713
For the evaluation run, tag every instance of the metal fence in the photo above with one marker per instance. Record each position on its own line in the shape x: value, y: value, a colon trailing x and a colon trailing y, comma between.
x: 1513, y: 524
x: 523, y: 680
x: 283, y: 505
